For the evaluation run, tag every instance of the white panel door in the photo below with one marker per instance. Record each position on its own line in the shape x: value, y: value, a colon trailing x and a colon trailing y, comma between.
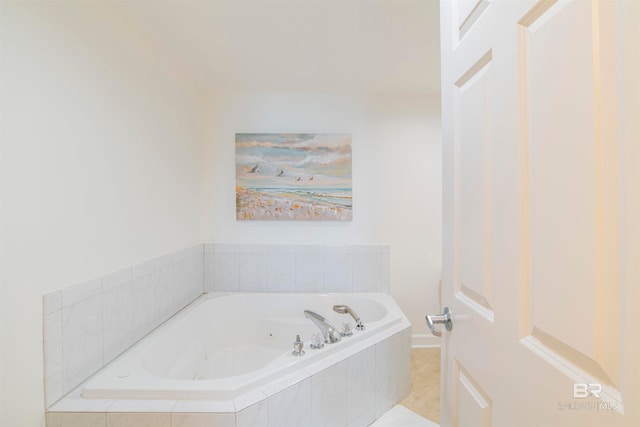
x: 541, y: 261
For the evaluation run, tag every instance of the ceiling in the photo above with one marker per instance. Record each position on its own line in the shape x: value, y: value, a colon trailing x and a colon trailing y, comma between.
x: 361, y: 46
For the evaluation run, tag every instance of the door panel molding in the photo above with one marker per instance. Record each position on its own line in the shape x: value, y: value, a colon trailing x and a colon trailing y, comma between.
x: 472, y: 183
x: 472, y: 405
x: 584, y: 345
x: 464, y: 25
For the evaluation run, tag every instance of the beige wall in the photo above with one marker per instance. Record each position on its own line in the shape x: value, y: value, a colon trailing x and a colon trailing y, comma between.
x: 396, y: 181
x: 101, y: 167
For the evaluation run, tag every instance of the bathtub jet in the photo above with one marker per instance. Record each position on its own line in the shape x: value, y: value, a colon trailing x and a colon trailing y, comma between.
x: 329, y: 332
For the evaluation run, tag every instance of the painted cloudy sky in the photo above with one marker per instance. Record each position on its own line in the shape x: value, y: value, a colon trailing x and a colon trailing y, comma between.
x: 293, y: 160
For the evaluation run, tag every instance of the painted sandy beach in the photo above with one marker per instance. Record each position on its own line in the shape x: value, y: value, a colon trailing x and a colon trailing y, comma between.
x: 287, y: 204
x: 293, y: 177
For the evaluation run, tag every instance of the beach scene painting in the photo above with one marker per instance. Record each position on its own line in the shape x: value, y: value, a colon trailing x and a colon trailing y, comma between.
x: 299, y: 176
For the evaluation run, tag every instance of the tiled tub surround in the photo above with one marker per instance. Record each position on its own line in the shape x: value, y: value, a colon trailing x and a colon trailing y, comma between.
x: 350, y: 387
x: 89, y: 324
x: 296, y: 268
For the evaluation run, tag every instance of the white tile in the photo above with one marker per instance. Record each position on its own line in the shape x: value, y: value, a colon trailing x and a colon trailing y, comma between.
x: 256, y: 415
x: 385, y: 383
x: 76, y: 392
x: 159, y: 295
x: 404, y: 390
x: 385, y: 264
x: 338, y: 268
x: 163, y: 283
x: 361, y: 390
x: 292, y: 406
x: 310, y: 269
x: 148, y: 267
x: 53, y: 357
x: 284, y: 382
x: 143, y: 269
x: 81, y: 291
x: 323, y: 363
x: 393, y: 367
x: 204, y: 406
x: 143, y: 405
x: 86, y: 419
x: 163, y: 261
x: 197, y: 250
x: 382, y: 407
x: 227, y: 269
x: 400, y: 363
x: 78, y: 404
x: 328, y: 400
x: 249, y: 399
x: 185, y: 254
x: 385, y: 287
x: 367, y: 249
x: 202, y: 420
x: 195, y: 278
x: 53, y: 388
x: 139, y: 420
x: 222, y: 248
x: 209, y: 271
x: 403, y: 358
x: 365, y: 419
x: 309, y: 249
x: 116, y: 279
x: 143, y: 299
x: 253, y: 272
x: 186, y: 282
x: 82, y: 341
x: 401, y: 416
x: 52, y: 302
x: 174, y: 292
x: 253, y: 249
x: 282, y: 249
x: 281, y: 276
x: 117, y: 312
x: 174, y: 283
x: 366, y: 269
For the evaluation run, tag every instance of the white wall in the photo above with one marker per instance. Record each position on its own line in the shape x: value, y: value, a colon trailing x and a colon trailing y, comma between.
x: 396, y: 180
x: 101, y: 164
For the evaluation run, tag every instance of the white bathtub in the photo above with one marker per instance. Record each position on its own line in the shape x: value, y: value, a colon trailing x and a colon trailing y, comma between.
x: 221, y: 347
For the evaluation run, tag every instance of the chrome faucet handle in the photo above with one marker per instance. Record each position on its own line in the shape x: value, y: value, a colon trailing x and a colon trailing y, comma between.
x: 346, y: 330
x: 297, y: 347
x: 317, y: 342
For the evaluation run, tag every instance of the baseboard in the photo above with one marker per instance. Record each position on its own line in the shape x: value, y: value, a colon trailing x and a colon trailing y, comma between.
x: 424, y: 341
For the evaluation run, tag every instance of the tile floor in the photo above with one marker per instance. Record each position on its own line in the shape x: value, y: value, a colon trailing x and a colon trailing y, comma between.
x: 424, y: 399
x: 399, y: 416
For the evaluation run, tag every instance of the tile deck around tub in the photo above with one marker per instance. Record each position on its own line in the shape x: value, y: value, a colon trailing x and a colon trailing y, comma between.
x: 271, y: 404
x: 89, y: 324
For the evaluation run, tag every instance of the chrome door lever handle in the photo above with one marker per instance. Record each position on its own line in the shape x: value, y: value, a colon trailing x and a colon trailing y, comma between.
x: 444, y: 318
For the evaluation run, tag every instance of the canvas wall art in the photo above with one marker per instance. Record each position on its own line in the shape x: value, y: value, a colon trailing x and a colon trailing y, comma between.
x: 293, y: 176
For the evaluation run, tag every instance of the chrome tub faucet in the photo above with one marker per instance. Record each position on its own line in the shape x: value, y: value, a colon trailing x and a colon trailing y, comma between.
x: 329, y: 332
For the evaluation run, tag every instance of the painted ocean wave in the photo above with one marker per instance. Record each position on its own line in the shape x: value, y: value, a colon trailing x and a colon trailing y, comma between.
x: 334, y: 196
